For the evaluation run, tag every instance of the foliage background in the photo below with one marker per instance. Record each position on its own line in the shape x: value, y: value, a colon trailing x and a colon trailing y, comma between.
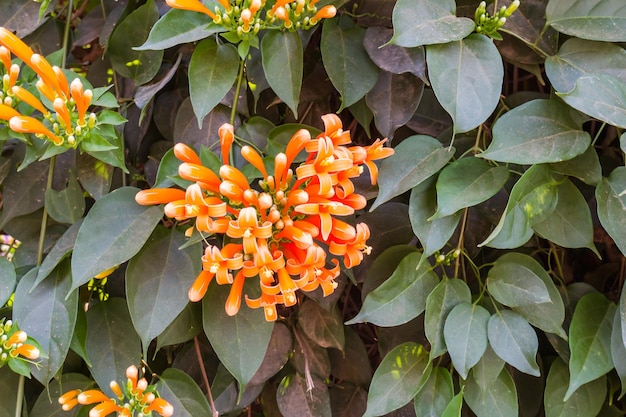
x: 495, y: 282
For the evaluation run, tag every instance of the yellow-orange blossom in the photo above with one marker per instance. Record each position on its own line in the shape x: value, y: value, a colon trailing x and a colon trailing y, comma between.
x: 279, y: 231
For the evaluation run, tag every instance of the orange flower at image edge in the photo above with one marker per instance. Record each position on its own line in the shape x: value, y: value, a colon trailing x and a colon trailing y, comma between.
x: 278, y: 231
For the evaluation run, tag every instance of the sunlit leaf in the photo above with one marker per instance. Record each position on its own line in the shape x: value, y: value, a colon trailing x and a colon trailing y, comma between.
x: 602, y: 20
x: 282, y: 62
x: 586, y: 167
x: 612, y: 206
x: 514, y: 340
x: 435, y: 395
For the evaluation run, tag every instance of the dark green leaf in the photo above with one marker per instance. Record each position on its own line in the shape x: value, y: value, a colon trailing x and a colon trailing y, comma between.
x: 186, y: 127
x: 399, y: 377
x: 309, y: 357
x: 48, y: 314
x: 22, y: 17
x: 470, y: 89
x: 181, y: 391
x: 394, y: 58
x: 68, y: 205
x: 383, y: 266
x: 297, y: 398
x: 467, y: 182
x: 212, y: 73
x: 112, y: 343
x: 435, y: 395
x: 47, y: 404
x: 514, y: 340
x: 23, y: 192
x: 8, y: 280
x: 346, y: 61
x: 601, y: 20
x: 276, y: 356
x: 552, y: 133
x: 179, y: 26
x: 586, y: 167
x: 465, y: 334
x: 79, y: 338
x: 363, y: 115
x: 612, y: 206
x: 585, y: 402
x: 8, y: 388
x: 118, y: 227
x: 618, y: 350
x: 140, y: 66
x: 425, y: 22
x: 94, y: 175
x: 352, y: 364
x: 282, y: 55
x: 590, y: 340
x: 415, y: 159
x: 185, y: 327
x: 498, y: 400
x: 61, y: 249
x: 239, y: 341
x: 514, y: 285
x: 402, y: 297
x: 322, y: 326
x: 441, y: 300
x: 348, y: 400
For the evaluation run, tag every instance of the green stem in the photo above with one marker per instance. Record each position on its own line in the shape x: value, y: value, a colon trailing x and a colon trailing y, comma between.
x: 20, y: 397
x: 233, y: 110
x: 66, y: 33
x: 44, y: 217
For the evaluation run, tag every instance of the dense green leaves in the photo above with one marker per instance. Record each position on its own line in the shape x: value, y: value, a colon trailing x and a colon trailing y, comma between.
x: 497, y: 400
x: 603, y: 20
x: 465, y: 334
x: 67, y: 205
x: 514, y: 340
x: 514, y: 285
x: 282, y: 63
x: 435, y: 395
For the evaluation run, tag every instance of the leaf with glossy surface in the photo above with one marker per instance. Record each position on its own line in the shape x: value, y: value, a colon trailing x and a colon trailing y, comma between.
x: 48, y: 315
x: 465, y: 334
x: 398, y: 378
x: 296, y: 399
x: 282, y: 56
x: 435, y: 395
x: 585, y: 402
x: 601, y: 20
x: 590, y: 340
x: 181, y: 391
x: 212, y: 73
x: 552, y: 133
x: 514, y: 340
x: 402, y: 297
x: 441, y: 300
x: 467, y: 182
x: 425, y: 22
x: 346, y: 61
x: 470, y: 89
x: 322, y: 326
x: 179, y: 26
x: 498, y: 400
x: 157, y: 281
x: 8, y: 280
x: 612, y: 206
x: 185, y: 327
x: 118, y: 227
x: 514, y: 285
x: 112, y: 343
x: 415, y: 159
x: 240, y: 341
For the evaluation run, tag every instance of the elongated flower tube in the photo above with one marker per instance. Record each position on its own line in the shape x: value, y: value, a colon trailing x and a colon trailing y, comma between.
x: 15, y: 345
x: 26, y: 124
x: 7, y: 112
x: 325, y: 12
x: 82, y: 98
x: 15, y: 45
x: 192, y: 5
x: 226, y: 134
x: 47, y: 74
x: 28, y: 98
x: 5, y: 57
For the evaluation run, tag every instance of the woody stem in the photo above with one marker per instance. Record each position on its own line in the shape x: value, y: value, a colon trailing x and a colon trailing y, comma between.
x: 204, y: 376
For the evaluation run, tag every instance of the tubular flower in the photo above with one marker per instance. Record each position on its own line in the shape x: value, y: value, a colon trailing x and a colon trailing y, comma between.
x: 280, y: 233
x: 192, y: 5
x: 325, y: 12
x: 28, y: 98
x: 15, y: 45
x: 26, y: 124
x: 134, y: 398
x: 15, y: 344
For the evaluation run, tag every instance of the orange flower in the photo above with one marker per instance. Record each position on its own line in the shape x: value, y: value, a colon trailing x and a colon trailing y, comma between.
x: 192, y: 5
x: 374, y: 152
x: 206, y: 178
x: 255, y: 5
x: 104, y: 409
x: 45, y: 90
x: 282, y: 14
x: 247, y: 227
x: 353, y: 249
x: 159, y: 405
x: 268, y: 302
x: 63, y: 113
x: 233, y: 302
x: 216, y: 263
x: 28, y: 98
x: 333, y: 128
x: 82, y: 99
x: 246, y: 18
x: 226, y: 134
x: 47, y: 74
x: 279, y: 3
x: 69, y: 400
x: 325, y: 163
x: 26, y: 124
x: 15, y: 45
x: 325, y: 211
x: 325, y: 12
x: 7, y: 112
x: 196, y: 204
x: 186, y: 154
x: 5, y: 57
x: 159, y: 196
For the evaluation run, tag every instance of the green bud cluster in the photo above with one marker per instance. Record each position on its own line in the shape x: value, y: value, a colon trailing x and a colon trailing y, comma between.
x: 489, y: 25
x: 447, y: 258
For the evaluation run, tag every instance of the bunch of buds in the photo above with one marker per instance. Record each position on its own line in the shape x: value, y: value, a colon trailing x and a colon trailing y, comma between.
x: 135, y: 399
x: 13, y: 344
x: 282, y: 232
x: 489, y: 25
x: 245, y: 18
x: 64, y: 121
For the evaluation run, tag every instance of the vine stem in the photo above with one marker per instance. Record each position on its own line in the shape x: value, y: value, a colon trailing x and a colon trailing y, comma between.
x: 205, y: 378
x: 44, y: 217
x: 233, y: 110
x: 20, y: 396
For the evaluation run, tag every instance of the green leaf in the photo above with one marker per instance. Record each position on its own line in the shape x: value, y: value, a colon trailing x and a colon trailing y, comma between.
x: 465, y: 334
x: 514, y: 285
x: 179, y: 26
x: 469, y: 89
x: 570, y: 224
x: 590, y: 340
x: 453, y: 409
x: 415, y: 159
x: 309, y: 357
x: 118, y: 227
x: 435, y: 395
x: 514, y: 340
x: 612, y: 206
x: 23, y: 192
x: 487, y: 369
x: 394, y: 58
x: 618, y: 350
x: 498, y: 400
x: 8, y: 388
x: 425, y: 22
x: 185, y: 327
x: 552, y: 133
x: 182, y: 392
x: 347, y: 401
x: 398, y: 378
x: 49, y: 317
x: 278, y: 353
x: 346, y: 61
x: 322, y: 326
x: 296, y: 398
x: 239, y: 341
x: 94, y: 175
x: 578, y: 57
x: 533, y: 198
x: 79, y: 338
x: 68, y: 205
x: 400, y: 298
x: 112, y: 343
x: 601, y: 96
x: 47, y: 404
x: 352, y: 364
x: 61, y: 249
x: 600, y: 20
x: 585, y: 402
x: 586, y: 167
x: 467, y: 182
x: 212, y: 73
x: 8, y: 280
x: 282, y: 55
x: 433, y: 233
x: 383, y: 266
x: 441, y: 300
x: 139, y: 66
x: 157, y: 281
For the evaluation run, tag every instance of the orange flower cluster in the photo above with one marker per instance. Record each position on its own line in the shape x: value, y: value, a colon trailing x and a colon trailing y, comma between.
x: 137, y: 396
x: 279, y: 232
x: 13, y: 344
x: 249, y: 16
x: 67, y: 121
